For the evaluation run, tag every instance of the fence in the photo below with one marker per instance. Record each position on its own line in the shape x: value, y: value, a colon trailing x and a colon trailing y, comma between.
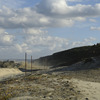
x: 26, y: 64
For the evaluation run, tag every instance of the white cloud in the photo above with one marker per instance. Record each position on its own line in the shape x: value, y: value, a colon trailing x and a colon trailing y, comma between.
x: 92, y: 20
x: 19, y: 48
x: 22, y: 18
x: 2, y: 30
x: 86, y: 41
x: 35, y: 41
x: 34, y: 31
x: 16, y: 50
x: 12, y: 3
x: 95, y: 28
x: 61, y: 9
x: 48, y: 13
x: 74, y: 0
x: 23, y: 48
x: 81, y: 19
x: 90, y: 39
x: 5, y: 38
x: 35, y: 21
x: 37, y: 45
x: 52, y: 6
x: 45, y: 42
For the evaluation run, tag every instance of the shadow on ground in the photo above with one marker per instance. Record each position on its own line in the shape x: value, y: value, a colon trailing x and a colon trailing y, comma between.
x: 28, y: 70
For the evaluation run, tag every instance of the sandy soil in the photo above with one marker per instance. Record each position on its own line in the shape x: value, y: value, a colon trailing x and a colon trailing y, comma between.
x: 39, y: 87
x: 47, y: 87
x: 9, y: 72
x: 90, y: 90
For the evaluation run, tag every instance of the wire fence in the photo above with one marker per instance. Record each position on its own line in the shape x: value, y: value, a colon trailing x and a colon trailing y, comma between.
x: 27, y: 64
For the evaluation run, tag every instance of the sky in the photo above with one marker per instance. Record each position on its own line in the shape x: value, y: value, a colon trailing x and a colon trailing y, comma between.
x: 43, y: 27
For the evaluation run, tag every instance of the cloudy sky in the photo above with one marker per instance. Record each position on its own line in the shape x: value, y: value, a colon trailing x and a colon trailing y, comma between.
x: 42, y: 27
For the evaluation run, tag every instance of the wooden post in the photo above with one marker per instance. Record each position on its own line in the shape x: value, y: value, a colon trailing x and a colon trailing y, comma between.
x: 31, y: 64
x: 25, y: 63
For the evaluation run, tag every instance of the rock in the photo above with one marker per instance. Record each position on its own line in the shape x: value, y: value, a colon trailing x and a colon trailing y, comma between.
x: 71, y: 89
x: 73, y: 98
x: 44, y: 97
x: 86, y: 99
x: 49, y: 94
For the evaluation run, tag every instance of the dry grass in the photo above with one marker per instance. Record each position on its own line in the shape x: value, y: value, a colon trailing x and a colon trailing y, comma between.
x: 45, y: 86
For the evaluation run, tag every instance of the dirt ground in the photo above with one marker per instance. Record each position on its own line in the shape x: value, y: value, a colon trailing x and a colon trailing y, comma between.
x: 44, y: 85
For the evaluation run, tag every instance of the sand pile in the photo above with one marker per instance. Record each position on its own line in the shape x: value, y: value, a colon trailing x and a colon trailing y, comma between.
x: 9, y: 72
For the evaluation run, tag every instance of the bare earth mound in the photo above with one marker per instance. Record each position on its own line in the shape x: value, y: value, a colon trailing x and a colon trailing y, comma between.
x: 9, y: 72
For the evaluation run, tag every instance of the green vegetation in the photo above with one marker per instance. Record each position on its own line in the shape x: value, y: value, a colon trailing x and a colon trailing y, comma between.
x: 9, y: 64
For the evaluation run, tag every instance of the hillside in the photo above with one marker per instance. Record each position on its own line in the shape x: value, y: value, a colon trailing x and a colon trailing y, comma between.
x: 71, y: 56
x: 73, y: 75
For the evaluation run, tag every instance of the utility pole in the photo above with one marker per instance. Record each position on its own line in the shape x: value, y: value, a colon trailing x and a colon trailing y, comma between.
x: 31, y: 64
x: 25, y: 63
